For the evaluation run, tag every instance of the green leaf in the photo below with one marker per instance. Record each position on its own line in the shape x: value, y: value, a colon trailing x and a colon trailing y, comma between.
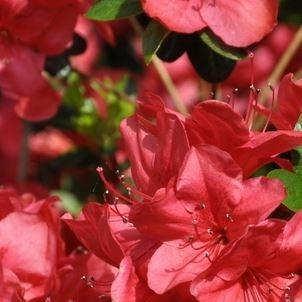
x: 210, y: 65
x: 217, y: 45
x: 172, y: 47
x: 293, y: 185
x: 296, y: 159
x: 106, y: 10
x: 153, y: 36
x: 69, y: 201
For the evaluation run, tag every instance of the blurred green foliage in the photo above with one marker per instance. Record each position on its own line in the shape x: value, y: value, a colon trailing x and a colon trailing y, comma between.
x: 290, y: 12
x: 74, y: 172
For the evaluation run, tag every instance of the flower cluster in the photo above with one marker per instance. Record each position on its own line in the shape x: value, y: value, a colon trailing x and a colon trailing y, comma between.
x: 194, y: 211
x: 29, y: 32
x: 196, y: 222
x: 237, y: 22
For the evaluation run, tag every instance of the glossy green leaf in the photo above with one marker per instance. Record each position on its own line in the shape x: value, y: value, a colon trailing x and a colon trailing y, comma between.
x: 172, y: 47
x: 210, y: 65
x: 293, y: 185
x: 106, y: 10
x: 217, y: 45
x: 153, y: 36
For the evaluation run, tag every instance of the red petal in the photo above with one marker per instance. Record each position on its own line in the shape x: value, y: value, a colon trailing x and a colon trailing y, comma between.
x: 176, y: 15
x: 29, y: 246
x: 96, y: 235
x: 127, y: 287
x: 140, y: 145
x: 172, y: 146
x: 260, y: 197
x: 263, y: 146
x: 164, y: 218
x: 40, y: 106
x: 171, y: 265
x: 215, y: 123
x: 216, y: 289
x: 289, y: 103
x: 211, y: 176
x: 288, y: 258
x: 240, y: 22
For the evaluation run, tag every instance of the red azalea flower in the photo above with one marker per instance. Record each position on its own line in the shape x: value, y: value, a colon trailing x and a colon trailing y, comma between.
x: 209, y: 207
x: 156, y: 150
x: 30, y: 244
x: 128, y: 287
x: 86, y: 62
x: 287, y: 111
x: 84, y: 278
x: 110, y: 238
x: 21, y: 80
x: 150, y: 144
x: 44, y: 25
x: 104, y: 230
x: 260, y: 266
x: 236, y: 22
x: 10, y: 289
x: 215, y: 123
x: 50, y: 143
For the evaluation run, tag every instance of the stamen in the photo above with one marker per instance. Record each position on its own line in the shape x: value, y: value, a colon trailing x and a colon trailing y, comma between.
x: 91, y: 282
x: 130, y: 188
x: 104, y: 297
x: 81, y: 250
x: 261, y: 287
x: 251, y: 56
x: 124, y: 218
x: 229, y: 217
x: 195, y: 222
x: 228, y: 99
x: 271, y: 108
x: 210, y: 231
x: 120, y: 176
x: 202, y: 206
x: 88, y: 281
x: 100, y: 170
x: 233, y: 99
x: 255, y: 103
x: 105, y: 195
x: 252, y: 88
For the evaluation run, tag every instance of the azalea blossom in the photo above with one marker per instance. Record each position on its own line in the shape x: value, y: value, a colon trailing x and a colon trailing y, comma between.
x: 30, y: 30
x: 171, y: 207
x: 248, y: 272
x: 200, y: 215
x: 234, y: 21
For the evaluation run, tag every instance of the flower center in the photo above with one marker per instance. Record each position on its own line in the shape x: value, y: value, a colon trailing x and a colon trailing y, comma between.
x: 265, y: 286
x: 208, y: 236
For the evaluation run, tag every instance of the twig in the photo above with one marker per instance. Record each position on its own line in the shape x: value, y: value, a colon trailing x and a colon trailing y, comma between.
x: 163, y: 74
x: 275, y: 76
x: 282, y: 64
x: 108, y: 87
x: 298, y: 74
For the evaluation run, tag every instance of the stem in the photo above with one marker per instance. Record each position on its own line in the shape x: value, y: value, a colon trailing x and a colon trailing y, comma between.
x: 164, y: 75
x: 298, y: 74
x: 168, y: 82
x: 282, y: 64
x: 106, y: 87
x: 277, y: 73
x: 24, y: 154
